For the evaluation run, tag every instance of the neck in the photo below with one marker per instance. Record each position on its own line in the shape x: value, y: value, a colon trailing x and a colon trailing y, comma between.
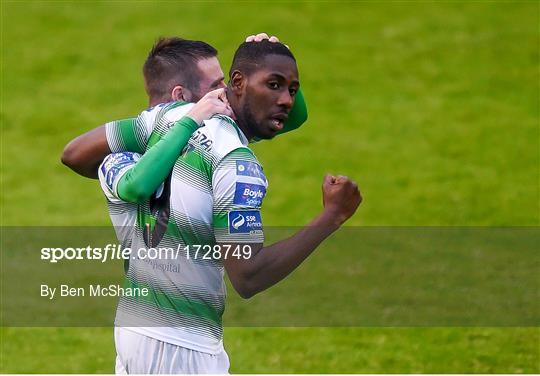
x: 155, y: 101
x: 240, y: 119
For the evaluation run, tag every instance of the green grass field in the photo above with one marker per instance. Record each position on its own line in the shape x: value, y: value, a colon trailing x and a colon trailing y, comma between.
x: 431, y: 106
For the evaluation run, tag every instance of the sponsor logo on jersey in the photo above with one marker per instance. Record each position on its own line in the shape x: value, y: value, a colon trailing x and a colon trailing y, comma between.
x: 247, y: 168
x: 202, y: 140
x: 245, y: 222
x: 249, y: 194
x: 116, y: 163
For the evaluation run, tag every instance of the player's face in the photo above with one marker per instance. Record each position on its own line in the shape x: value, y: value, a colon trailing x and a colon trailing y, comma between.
x: 269, y: 96
x: 211, y: 77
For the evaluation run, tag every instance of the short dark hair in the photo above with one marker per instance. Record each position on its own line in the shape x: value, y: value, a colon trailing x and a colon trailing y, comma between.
x: 249, y: 55
x: 173, y: 61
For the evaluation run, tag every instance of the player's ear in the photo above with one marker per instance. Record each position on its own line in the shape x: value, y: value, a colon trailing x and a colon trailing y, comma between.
x: 237, y: 82
x: 180, y: 93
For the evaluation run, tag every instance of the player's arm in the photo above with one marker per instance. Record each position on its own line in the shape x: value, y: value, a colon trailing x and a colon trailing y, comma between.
x: 140, y: 181
x: 269, y: 265
x: 132, y: 177
x: 145, y: 176
x: 85, y: 153
x: 237, y: 183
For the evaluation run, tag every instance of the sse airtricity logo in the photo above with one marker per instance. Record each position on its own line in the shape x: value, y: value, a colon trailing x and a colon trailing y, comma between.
x: 249, y: 194
x: 245, y: 222
x: 237, y: 222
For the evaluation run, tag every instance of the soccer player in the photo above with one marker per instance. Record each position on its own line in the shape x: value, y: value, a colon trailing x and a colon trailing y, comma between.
x: 176, y: 69
x: 213, y: 199
x: 126, y: 178
x: 121, y: 177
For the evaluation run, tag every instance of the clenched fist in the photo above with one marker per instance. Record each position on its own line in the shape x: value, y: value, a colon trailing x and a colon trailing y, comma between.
x: 341, y: 197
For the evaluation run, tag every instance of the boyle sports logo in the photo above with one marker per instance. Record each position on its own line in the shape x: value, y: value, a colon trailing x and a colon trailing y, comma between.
x: 249, y: 194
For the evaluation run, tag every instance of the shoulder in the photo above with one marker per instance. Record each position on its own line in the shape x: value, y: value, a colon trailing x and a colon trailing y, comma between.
x: 148, y: 115
x: 224, y: 136
x: 235, y: 158
x: 163, y: 116
x: 173, y: 111
x: 163, y: 112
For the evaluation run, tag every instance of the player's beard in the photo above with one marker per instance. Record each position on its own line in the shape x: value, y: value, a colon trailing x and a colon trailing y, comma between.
x: 249, y: 121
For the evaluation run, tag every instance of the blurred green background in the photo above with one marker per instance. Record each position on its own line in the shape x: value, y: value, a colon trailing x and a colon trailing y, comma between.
x: 431, y: 106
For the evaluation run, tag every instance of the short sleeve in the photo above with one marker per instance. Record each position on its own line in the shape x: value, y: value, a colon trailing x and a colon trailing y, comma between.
x: 127, y: 135
x: 239, y: 187
x: 113, y: 167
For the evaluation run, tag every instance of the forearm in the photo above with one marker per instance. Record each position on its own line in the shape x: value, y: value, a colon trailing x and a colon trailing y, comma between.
x: 273, y: 263
x: 141, y: 181
x: 269, y: 265
x: 85, y: 153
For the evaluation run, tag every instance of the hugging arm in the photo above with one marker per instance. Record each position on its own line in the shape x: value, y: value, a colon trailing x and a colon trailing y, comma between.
x: 85, y: 153
x: 144, y: 178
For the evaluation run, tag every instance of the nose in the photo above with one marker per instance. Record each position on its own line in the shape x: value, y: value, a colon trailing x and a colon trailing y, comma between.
x: 285, y: 99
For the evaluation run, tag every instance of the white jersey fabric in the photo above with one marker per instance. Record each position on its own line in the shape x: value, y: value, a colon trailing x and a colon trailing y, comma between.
x: 216, y: 190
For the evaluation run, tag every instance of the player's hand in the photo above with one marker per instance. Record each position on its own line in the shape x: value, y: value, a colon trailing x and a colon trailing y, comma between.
x: 263, y: 36
x: 341, y: 197
x: 214, y: 102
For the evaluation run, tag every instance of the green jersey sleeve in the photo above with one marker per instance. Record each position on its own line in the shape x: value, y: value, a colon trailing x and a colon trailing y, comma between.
x: 125, y: 135
x: 298, y: 114
x: 132, y: 134
x: 143, y: 179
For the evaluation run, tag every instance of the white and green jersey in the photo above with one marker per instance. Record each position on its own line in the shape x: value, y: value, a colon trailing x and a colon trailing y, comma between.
x: 132, y: 134
x: 123, y: 214
x: 127, y: 140
x: 215, y: 194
